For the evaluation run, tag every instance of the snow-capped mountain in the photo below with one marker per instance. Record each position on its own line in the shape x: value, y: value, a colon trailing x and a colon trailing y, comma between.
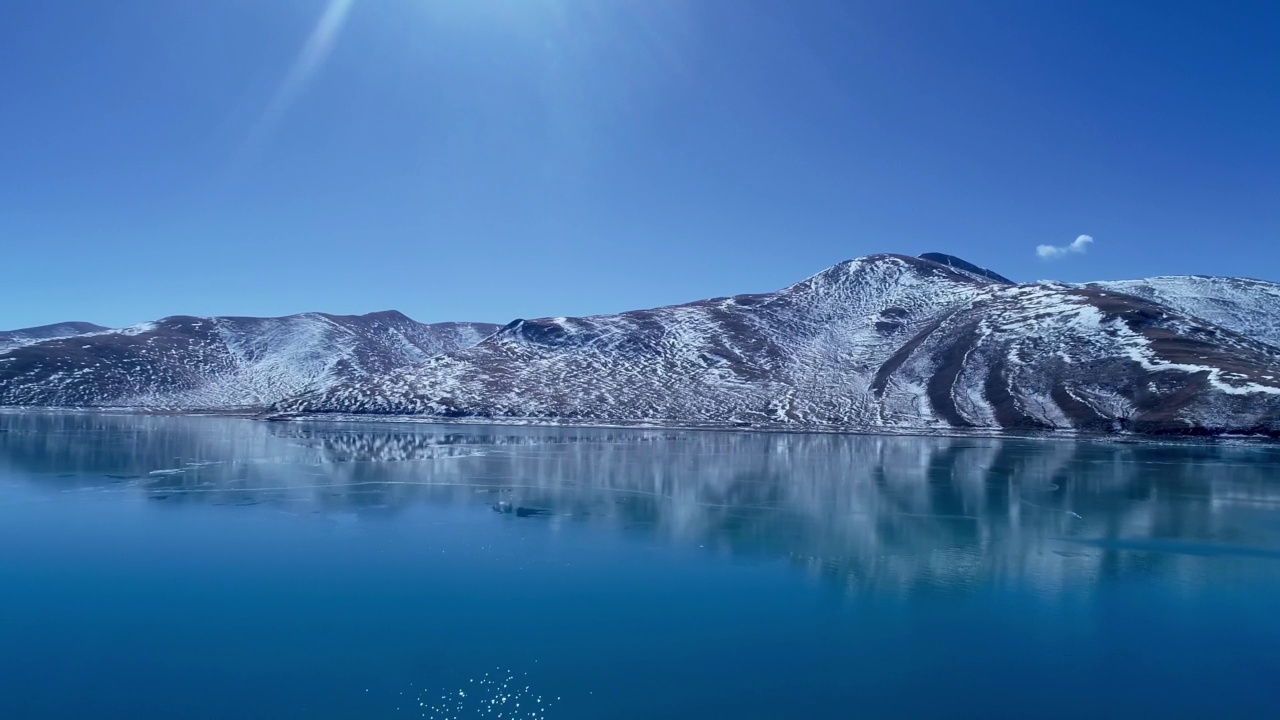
x: 26, y: 336
x: 881, y: 342
x: 1249, y: 307
x: 219, y: 362
x: 878, y: 343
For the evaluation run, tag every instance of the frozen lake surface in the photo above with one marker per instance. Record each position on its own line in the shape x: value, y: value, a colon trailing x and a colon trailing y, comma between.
x: 199, y: 567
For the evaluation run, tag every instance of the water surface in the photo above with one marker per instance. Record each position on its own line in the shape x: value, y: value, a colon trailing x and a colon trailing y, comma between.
x: 171, y: 567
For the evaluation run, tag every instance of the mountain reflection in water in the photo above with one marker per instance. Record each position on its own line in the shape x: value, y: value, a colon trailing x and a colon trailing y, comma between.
x: 870, y: 513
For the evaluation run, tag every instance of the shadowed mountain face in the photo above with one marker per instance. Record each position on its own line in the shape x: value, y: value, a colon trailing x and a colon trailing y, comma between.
x: 954, y: 262
x: 880, y: 343
x: 221, y: 362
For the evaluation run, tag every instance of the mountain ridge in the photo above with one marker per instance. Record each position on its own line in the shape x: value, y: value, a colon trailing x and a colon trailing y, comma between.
x: 190, y: 362
x: 27, y: 336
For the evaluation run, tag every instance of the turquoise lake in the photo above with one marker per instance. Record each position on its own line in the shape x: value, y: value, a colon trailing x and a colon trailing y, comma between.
x: 205, y: 567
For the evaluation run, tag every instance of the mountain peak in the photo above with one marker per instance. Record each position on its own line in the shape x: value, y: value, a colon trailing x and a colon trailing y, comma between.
x: 952, y: 261
x: 56, y: 329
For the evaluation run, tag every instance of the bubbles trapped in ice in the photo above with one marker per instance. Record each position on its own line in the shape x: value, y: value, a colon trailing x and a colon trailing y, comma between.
x: 501, y: 694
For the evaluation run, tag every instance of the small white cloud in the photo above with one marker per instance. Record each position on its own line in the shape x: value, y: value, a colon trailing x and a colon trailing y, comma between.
x: 1052, y: 252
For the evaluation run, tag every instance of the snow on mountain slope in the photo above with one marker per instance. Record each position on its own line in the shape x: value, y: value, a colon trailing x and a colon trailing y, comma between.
x: 26, y: 336
x: 189, y: 362
x: 1249, y: 307
x: 726, y: 358
x: 881, y: 342
x: 885, y: 341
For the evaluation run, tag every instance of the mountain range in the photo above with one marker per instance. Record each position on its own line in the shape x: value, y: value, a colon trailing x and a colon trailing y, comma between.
x: 880, y: 343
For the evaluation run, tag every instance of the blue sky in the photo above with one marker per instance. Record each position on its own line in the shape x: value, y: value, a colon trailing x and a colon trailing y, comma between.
x: 493, y: 159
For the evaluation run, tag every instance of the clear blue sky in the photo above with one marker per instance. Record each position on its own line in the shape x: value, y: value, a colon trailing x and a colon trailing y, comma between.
x: 493, y: 159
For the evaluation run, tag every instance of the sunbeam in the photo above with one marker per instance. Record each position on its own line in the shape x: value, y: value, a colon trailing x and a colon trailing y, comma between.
x: 310, y: 59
